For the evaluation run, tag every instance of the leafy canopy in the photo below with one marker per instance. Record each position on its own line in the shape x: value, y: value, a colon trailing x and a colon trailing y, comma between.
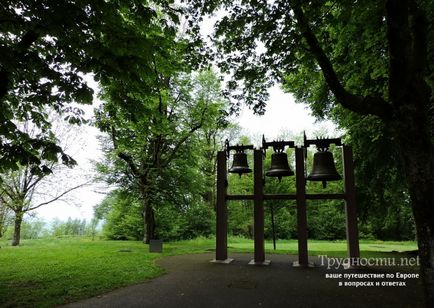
x: 46, y: 48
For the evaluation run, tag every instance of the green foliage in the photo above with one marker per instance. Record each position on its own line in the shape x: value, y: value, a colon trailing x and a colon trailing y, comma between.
x: 198, y: 220
x: 260, y: 43
x: 169, y: 222
x: 122, y: 215
x: 157, y: 153
x: 33, y: 228
x: 326, y: 220
x: 70, y: 227
x: 25, y: 189
x: 47, y: 48
x: 6, y: 218
x: 240, y: 218
x: 285, y: 220
x: 121, y: 212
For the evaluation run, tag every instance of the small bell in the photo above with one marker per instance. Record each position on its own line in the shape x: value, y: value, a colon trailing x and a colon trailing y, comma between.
x: 239, y: 164
x: 324, y: 168
x: 279, y: 166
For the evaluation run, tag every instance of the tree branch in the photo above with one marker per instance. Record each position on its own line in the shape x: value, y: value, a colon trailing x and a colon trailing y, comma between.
x: 57, y: 197
x: 27, y: 40
x: 129, y: 160
x: 124, y: 156
x: 184, y: 139
x: 359, y: 104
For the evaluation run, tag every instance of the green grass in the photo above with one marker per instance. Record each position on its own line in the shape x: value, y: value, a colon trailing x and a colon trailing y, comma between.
x: 50, y: 272
x: 317, y: 247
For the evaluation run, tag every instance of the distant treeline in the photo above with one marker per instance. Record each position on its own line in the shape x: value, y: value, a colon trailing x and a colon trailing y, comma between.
x: 34, y: 228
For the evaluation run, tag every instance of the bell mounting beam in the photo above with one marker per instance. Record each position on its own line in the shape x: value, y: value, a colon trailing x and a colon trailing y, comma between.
x: 237, y: 148
x: 258, y: 211
x: 321, y: 143
x: 277, y: 145
x: 221, y: 211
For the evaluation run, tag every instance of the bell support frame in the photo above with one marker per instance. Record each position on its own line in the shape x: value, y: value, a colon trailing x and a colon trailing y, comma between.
x: 301, y: 197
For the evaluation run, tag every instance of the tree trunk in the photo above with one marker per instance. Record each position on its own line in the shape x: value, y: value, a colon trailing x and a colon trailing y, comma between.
x: 148, y: 211
x: 17, y: 228
x: 412, y: 132
x: 418, y: 167
x: 208, y: 198
x: 426, y: 253
x: 149, y: 223
x: 3, y: 218
x: 408, y: 113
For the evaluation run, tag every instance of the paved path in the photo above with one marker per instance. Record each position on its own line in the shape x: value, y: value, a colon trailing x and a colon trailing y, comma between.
x: 192, y: 281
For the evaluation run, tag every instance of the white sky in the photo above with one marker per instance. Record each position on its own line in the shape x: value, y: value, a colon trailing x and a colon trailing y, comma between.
x: 282, y: 115
x: 79, y: 203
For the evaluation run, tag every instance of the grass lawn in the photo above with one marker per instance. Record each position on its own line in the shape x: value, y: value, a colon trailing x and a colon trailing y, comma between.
x: 331, y: 248
x: 49, y: 272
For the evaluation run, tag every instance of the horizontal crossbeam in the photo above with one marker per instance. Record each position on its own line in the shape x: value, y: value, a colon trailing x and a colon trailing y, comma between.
x: 287, y: 197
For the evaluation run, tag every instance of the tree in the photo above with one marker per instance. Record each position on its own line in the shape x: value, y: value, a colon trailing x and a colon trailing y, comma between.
x: 46, y: 47
x: 92, y: 227
x: 318, y: 42
x: 23, y: 190
x: 154, y: 147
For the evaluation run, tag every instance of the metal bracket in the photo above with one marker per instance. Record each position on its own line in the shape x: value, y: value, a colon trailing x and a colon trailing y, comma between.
x: 277, y: 145
x: 322, y: 144
x: 237, y: 148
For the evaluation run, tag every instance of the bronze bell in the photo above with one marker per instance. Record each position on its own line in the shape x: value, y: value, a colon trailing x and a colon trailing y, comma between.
x: 279, y: 166
x: 324, y: 168
x: 239, y: 164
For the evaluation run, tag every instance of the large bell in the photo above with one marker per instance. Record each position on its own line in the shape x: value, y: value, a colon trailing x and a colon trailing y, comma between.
x: 324, y: 168
x: 239, y: 164
x: 279, y: 166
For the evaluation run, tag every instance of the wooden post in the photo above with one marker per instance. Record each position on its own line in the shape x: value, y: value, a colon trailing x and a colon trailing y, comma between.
x: 258, y: 199
x: 301, y: 208
x: 221, y: 211
x: 350, y: 206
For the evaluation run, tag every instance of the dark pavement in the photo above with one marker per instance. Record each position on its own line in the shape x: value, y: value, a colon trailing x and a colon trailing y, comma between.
x: 192, y: 281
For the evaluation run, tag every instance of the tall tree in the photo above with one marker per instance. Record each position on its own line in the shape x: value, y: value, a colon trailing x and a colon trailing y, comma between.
x: 387, y: 42
x: 154, y: 137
